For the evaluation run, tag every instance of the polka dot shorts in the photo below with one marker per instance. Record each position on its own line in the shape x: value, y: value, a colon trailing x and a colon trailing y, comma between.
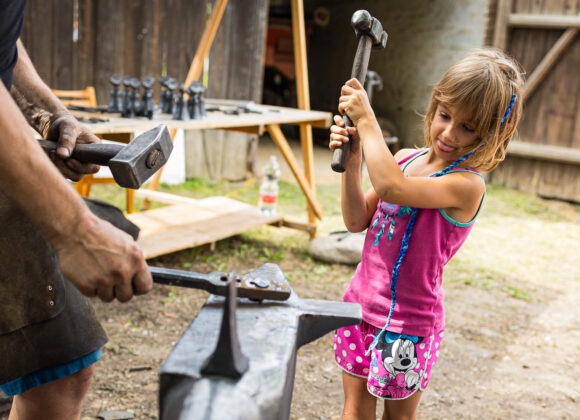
x: 396, y: 368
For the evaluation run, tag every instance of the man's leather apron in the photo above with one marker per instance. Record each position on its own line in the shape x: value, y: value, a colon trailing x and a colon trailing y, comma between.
x: 44, y: 320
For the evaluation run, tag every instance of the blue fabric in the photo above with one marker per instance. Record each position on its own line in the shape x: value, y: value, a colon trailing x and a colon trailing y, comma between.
x: 11, y: 21
x: 44, y: 376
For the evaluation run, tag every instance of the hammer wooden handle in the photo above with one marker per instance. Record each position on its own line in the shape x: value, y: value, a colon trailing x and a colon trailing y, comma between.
x: 359, y: 71
x: 97, y: 153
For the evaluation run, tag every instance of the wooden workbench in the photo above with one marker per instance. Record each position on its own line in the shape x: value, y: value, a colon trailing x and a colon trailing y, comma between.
x: 186, y: 222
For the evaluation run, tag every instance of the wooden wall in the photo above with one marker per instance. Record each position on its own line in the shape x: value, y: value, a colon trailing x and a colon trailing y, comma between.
x: 543, y: 37
x: 144, y: 37
x: 156, y: 37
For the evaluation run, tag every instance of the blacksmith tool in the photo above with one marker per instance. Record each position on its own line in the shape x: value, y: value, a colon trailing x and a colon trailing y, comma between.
x: 370, y: 34
x: 147, y: 103
x: 255, y: 285
x: 196, y: 101
x: 131, y: 164
x: 135, y: 100
x: 168, y: 84
x: 128, y: 93
x: 117, y: 95
x: 270, y: 334
x: 180, y: 112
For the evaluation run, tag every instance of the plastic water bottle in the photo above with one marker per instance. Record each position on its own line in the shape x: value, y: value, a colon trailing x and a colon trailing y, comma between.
x: 268, y: 199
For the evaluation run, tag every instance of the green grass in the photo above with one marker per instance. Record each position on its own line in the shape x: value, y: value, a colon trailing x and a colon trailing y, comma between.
x: 285, y: 246
x: 508, y: 202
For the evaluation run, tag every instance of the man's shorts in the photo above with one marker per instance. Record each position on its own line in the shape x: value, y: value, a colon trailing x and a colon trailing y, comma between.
x: 44, y: 376
x: 396, y: 368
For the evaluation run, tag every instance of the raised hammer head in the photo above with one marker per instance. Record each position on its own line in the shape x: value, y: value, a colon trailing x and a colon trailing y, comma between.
x: 142, y: 157
x: 364, y: 24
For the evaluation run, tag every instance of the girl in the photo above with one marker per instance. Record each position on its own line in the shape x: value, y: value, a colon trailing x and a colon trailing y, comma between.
x: 419, y: 211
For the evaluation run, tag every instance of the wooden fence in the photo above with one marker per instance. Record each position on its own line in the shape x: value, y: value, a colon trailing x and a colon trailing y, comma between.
x: 76, y: 43
x: 543, y: 37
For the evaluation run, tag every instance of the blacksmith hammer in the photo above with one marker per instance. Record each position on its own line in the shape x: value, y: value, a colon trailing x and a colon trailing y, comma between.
x: 131, y: 164
x: 370, y: 34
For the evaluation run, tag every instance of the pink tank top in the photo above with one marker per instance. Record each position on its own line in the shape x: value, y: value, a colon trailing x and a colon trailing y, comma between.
x: 435, y: 239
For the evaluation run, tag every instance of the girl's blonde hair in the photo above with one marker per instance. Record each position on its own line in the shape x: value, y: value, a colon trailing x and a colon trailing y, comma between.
x: 482, y: 84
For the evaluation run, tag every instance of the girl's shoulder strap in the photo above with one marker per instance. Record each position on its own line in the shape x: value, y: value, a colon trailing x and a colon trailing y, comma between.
x: 408, y: 158
x: 471, y: 170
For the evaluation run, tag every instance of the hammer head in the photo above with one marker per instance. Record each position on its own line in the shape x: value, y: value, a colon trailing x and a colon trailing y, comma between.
x: 142, y: 157
x: 366, y: 25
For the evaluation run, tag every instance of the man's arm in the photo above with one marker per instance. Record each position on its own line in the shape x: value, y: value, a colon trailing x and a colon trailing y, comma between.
x: 96, y: 257
x: 49, y: 117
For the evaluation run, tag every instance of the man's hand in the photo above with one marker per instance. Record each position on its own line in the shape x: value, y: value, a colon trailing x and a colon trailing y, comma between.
x: 103, y: 261
x: 67, y: 131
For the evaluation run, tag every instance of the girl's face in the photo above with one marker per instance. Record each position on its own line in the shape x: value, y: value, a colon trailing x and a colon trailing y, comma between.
x: 452, y: 133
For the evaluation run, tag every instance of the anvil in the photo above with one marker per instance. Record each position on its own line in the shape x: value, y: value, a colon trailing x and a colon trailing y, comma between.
x: 198, y: 382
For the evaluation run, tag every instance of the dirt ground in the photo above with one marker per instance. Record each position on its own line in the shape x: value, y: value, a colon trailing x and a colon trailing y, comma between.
x: 511, y: 347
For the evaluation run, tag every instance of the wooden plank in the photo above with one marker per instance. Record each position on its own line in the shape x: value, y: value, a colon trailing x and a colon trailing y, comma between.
x: 133, y: 36
x: 564, y: 91
x: 491, y: 17
x: 543, y: 21
x: 179, y: 227
x: 211, y: 27
x: 300, y: 57
x: 307, y: 189
x: 38, y: 37
x: 164, y: 198
x: 108, y: 57
x: 61, y: 47
x: 303, y: 97
x: 544, y: 178
x: 549, y: 61
x: 236, y: 70
x: 195, y: 13
x: 84, y: 47
x: 501, y: 23
x: 150, y: 61
x: 156, y: 178
x: 544, y: 152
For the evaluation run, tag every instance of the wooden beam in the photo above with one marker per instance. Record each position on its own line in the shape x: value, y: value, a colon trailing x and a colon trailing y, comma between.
x: 524, y: 20
x: 501, y: 24
x: 156, y: 178
x: 549, y: 61
x: 545, y: 152
x: 303, y: 98
x: 300, y: 56
x: 292, y: 224
x: 212, y: 25
x: 165, y: 198
x: 280, y: 140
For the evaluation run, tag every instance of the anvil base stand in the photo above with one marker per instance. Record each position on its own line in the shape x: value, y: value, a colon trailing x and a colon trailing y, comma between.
x: 249, y: 375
